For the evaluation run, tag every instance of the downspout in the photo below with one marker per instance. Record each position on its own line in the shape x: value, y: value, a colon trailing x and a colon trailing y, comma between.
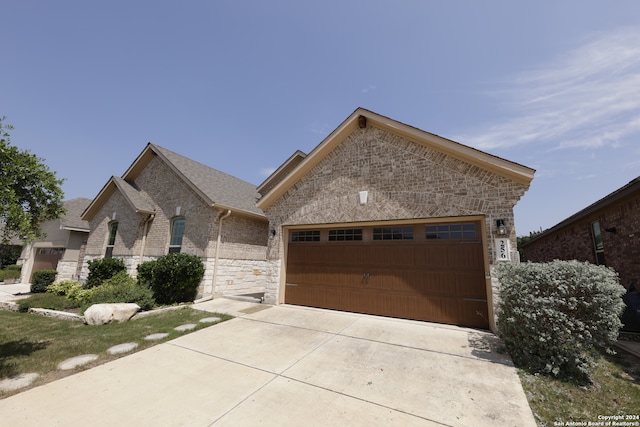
x: 150, y: 218
x: 222, y: 216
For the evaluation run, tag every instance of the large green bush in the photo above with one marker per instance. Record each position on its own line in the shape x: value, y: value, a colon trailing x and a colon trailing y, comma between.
x: 103, y: 269
x: 555, y: 317
x: 173, y: 278
x: 9, y: 255
x: 41, y: 279
x: 145, y: 273
x: 122, y: 288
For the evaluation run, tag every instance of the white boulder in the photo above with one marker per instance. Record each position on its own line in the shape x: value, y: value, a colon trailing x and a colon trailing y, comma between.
x: 101, y: 314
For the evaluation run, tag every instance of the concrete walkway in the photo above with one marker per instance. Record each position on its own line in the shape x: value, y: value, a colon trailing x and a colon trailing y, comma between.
x: 14, y: 291
x: 291, y: 366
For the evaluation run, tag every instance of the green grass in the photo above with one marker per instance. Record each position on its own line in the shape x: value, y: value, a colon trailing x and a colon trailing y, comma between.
x: 32, y: 343
x: 49, y: 301
x: 615, y: 390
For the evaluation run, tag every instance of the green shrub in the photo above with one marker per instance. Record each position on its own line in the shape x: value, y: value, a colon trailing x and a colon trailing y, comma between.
x: 71, y: 289
x: 145, y: 273
x: 173, y: 278
x: 41, y: 279
x: 46, y: 300
x: 555, y: 317
x: 9, y: 255
x: 8, y: 273
x: 103, y: 269
x: 122, y: 288
x: 63, y: 287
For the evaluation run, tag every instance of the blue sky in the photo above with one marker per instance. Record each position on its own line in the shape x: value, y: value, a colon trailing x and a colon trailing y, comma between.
x: 240, y: 85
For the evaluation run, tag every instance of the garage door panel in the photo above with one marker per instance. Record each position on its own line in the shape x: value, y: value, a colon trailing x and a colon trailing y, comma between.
x: 439, y: 281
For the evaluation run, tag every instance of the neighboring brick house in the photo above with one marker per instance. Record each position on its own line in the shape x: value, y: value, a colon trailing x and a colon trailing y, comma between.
x: 387, y: 219
x: 606, y: 232
x: 63, y: 247
x: 166, y: 203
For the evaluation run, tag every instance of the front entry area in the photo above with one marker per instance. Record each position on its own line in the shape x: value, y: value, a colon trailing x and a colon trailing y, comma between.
x: 430, y: 272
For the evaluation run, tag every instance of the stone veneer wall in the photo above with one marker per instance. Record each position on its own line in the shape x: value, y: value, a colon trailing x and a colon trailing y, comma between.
x: 67, y: 270
x: 242, y: 237
x: 405, y: 180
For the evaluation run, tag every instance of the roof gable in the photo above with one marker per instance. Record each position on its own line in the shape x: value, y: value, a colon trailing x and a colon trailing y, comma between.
x: 215, y: 188
x: 363, y: 118
x: 132, y: 195
x: 282, y: 172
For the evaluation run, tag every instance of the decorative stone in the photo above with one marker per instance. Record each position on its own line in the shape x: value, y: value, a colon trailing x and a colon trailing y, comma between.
x: 155, y: 337
x: 74, y: 362
x: 122, y: 348
x: 210, y: 320
x: 101, y: 314
x: 17, y: 382
x: 56, y: 314
x: 186, y: 327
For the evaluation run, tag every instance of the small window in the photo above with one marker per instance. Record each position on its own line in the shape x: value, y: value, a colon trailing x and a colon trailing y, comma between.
x: 393, y: 233
x: 345, y: 235
x: 305, y: 236
x: 113, y: 229
x: 177, y: 231
x: 597, y: 243
x: 451, y: 231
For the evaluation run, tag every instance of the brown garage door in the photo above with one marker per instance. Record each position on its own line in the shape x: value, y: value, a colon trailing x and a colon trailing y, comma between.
x: 46, y: 259
x: 423, y: 272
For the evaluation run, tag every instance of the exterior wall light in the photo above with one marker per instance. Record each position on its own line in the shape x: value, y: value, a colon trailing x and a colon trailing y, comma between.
x: 272, y: 233
x: 363, y: 196
x: 501, y: 227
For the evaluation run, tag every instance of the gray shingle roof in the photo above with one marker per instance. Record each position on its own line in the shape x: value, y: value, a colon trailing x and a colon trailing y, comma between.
x: 220, y: 188
x: 137, y: 200
x: 73, y: 217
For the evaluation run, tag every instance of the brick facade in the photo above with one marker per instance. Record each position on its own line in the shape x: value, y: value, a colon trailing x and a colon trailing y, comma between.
x: 242, y: 237
x: 404, y: 180
x: 574, y: 240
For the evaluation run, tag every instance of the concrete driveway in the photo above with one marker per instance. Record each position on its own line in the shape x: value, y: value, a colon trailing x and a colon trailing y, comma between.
x: 291, y: 366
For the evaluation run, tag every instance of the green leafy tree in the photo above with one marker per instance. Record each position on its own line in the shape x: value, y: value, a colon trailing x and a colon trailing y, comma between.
x: 30, y: 193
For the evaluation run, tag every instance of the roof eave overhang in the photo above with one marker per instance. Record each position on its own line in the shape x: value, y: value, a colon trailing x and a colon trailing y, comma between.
x: 82, y: 230
x: 107, y: 190
x: 514, y: 171
x: 242, y: 212
x: 632, y: 187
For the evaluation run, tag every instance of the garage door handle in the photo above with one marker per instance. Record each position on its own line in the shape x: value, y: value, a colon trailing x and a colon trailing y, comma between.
x: 365, y: 277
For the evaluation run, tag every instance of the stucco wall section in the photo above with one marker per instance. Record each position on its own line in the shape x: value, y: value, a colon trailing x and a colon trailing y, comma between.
x: 404, y: 180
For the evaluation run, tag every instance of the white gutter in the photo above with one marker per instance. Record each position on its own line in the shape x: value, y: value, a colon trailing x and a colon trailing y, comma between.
x: 150, y: 218
x: 222, y: 216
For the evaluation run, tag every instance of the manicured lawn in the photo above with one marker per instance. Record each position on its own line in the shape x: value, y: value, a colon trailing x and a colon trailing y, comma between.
x: 32, y: 343
x: 615, y: 391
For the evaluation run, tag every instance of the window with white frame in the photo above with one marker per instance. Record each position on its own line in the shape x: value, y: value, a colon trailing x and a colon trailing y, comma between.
x: 177, y: 232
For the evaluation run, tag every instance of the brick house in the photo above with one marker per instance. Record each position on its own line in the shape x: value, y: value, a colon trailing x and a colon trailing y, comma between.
x: 63, y: 247
x: 387, y: 219
x: 606, y: 232
x: 167, y: 203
